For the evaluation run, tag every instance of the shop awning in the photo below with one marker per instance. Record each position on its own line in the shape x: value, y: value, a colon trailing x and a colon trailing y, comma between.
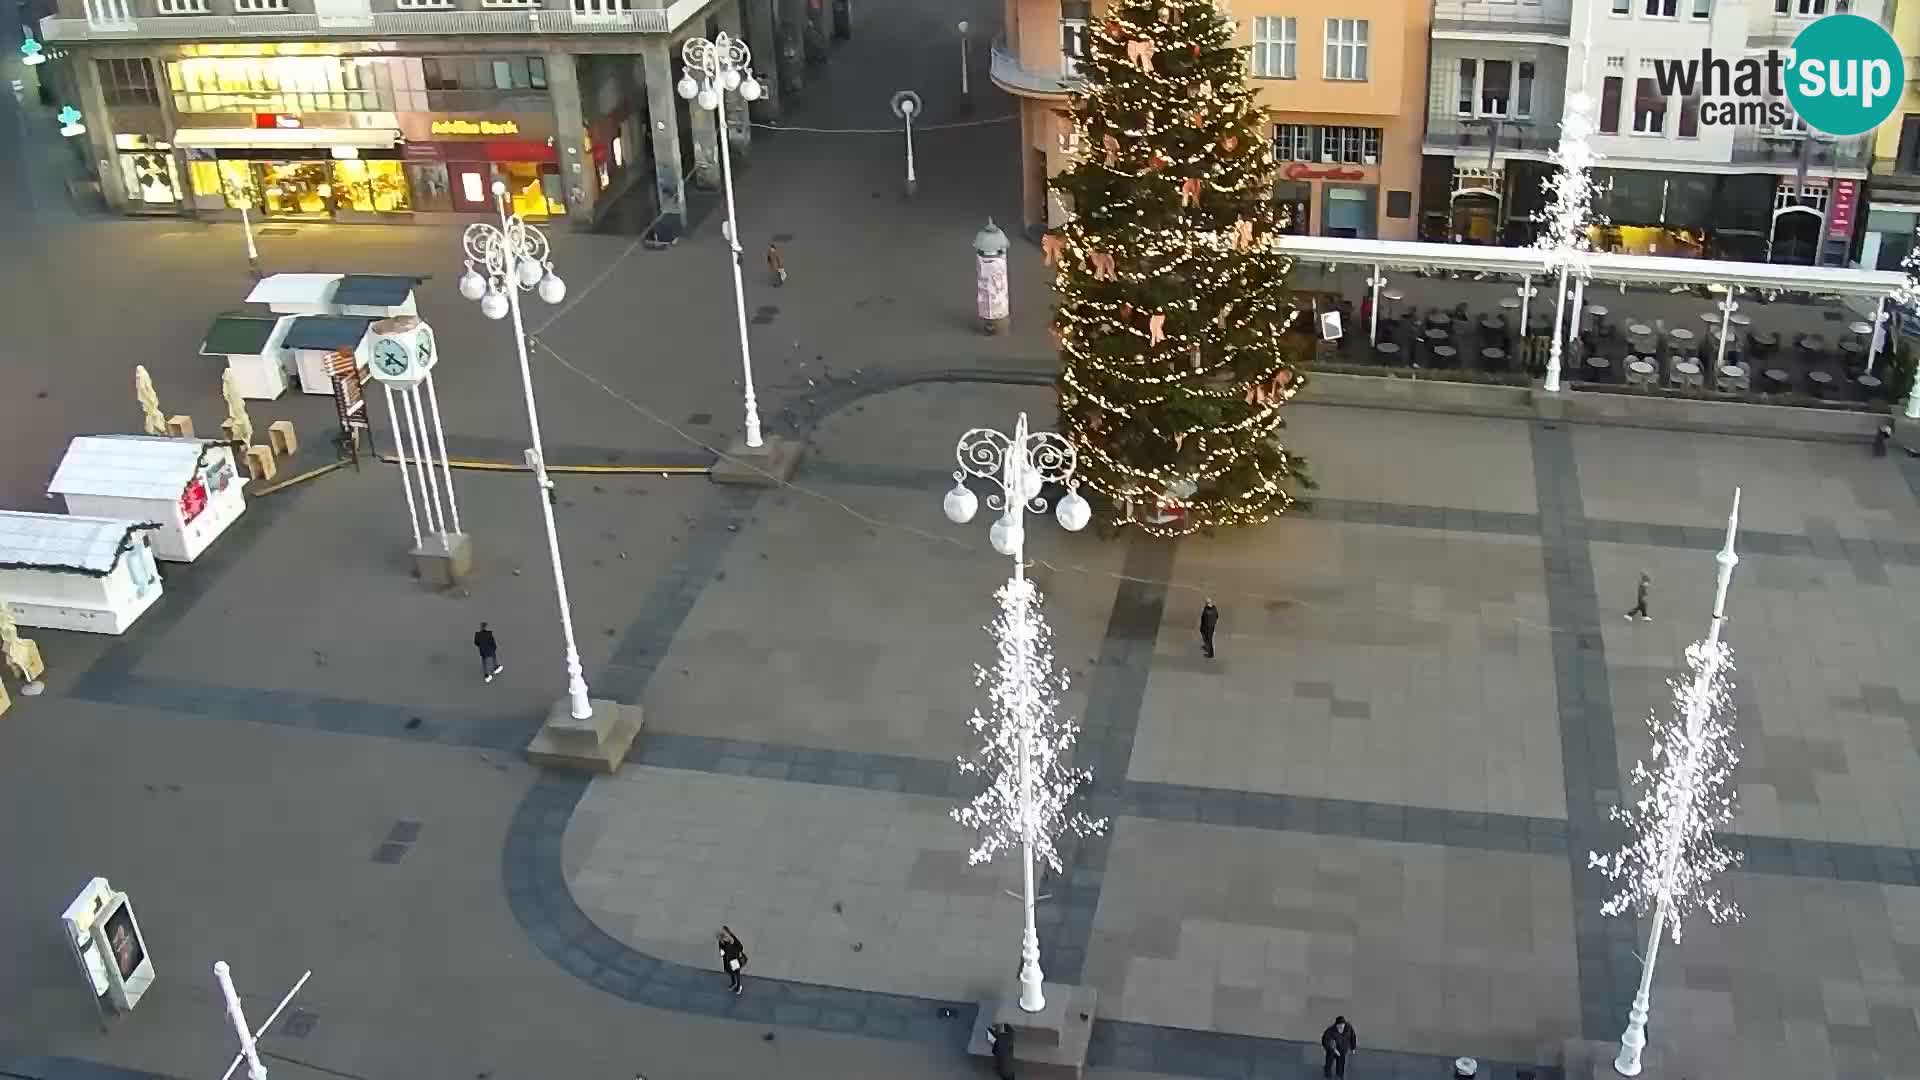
x: 275, y: 138
x: 238, y: 335
x: 375, y: 290
x: 327, y: 332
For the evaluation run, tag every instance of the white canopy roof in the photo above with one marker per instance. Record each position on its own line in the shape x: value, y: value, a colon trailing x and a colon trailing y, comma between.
x: 1408, y: 255
x: 263, y: 138
x: 281, y: 291
x: 128, y: 466
x: 62, y: 541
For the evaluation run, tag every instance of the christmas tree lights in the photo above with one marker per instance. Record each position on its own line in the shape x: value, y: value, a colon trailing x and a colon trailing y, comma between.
x: 1173, y: 311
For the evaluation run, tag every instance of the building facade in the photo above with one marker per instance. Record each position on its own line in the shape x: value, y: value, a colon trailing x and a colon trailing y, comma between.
x: 1893, y: 186
x: 1678, y: 178
x: 1345, y: 97
x: 409, y: 110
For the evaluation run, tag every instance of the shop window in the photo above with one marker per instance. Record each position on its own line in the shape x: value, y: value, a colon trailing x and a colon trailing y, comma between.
x: 1349, y: 211
x: 204, y: 176
x: 428, y: 181
x: 370, y: 187
x: 525, y: 193
x: 1293, y: 142
x: 1350, y: 145
x: 1610, y: 89
x: 128, y: 82
x: 151, y: 178
x: 297, y: 188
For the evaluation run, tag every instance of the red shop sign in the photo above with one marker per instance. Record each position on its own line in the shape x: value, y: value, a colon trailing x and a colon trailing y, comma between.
x: 1299, y: 171
x: 275, y: 120
x: 493, y: 150
x: 1840, y: 212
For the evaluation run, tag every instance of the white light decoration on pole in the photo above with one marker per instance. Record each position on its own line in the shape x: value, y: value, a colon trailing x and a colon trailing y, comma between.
x: 1026, y: 743
x: 237, y: 1016
x: 1569, y: 215
x: 906, y: 105
x: 722, y: 67
x: 1668, y: 865
x: 515, y: 256
x: 70, y: 125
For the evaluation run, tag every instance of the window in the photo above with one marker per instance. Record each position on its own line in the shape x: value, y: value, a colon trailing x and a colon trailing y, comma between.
x: 1702, y: 9
x: 1649, y: 108
x: 1074, y: 15
x: 1690, y: 117
x: 247, y: 6
x: 1274, y: 43
x: 1622, y: 7
x: 1523, y: 97
x: 1661, y: 9
x: 1293, y: 142
x: 1350, y: 145
x: 128, y: 82
x: 537, y: 72
x: 182, y: 7
x: 1806, y: 8
x: 503, y: 75
x: 1496, y: 87
x: 1467, y: 69
x: 1812, y: 196
x: 1610, y: 105
x: 1347, y: 49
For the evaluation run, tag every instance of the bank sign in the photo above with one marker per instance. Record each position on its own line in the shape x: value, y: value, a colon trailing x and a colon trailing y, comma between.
x: 1844, y: 75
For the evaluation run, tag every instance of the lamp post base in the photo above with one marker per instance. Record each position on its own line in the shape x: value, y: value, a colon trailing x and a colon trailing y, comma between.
x: 443, y: 560
x: 597, y: 744
x: 769, y: 465
x: 1588, y: 1059
x: 1051, y: 1042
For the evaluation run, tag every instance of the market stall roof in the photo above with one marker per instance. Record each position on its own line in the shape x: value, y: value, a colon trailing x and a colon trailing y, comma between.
x: 313, y: 290
x: 1410, y: 255
x: 86, y: 545
x: 327, y: 333
x: 129, y: 466
x: 234, y: 334
x: 375, y: 290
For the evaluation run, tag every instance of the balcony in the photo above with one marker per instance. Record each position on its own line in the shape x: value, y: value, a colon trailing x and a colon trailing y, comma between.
x: 1014, y: 77
x: 1756, y: 149
x: 377, y: 24
x: 1455, y: 134
x: 1500, y: 21
x: 1889, y: 175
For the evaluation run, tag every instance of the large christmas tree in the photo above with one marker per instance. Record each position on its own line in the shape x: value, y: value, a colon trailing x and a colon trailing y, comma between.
x: 1173, y: 309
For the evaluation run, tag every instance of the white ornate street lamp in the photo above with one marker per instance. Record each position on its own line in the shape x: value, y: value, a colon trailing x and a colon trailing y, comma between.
x: 501, y: 261
x: 722, y: 64
x: 1020, y: 466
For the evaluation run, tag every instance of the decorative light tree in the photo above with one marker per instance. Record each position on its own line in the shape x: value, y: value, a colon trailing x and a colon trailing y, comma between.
x: 1025, y: 742
x: 1669, y: 864
x: 1172, y: 299
x: 239, y: 425
x: 154, y: 420
x: 1568, y: 217
x: 1908, y: 298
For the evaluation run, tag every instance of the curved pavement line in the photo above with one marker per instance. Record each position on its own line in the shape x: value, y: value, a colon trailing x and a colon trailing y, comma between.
x: 535, y: 879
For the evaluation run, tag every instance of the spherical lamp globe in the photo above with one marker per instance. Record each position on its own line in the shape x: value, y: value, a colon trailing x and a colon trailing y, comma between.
x: 1073, y: 512
x: 472, y: 285
x: 1004, y: 537
x: 707, y: 98
x: 686, y: 87
x: 730, y: 79
x: 494, y: 304
x: 552, y: 289
x: 750, y: 89
x: 960, y: 504
x: 529, y: 272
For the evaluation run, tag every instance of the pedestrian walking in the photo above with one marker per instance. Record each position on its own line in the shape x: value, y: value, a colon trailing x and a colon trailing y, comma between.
x: 1640, y: 601
x: 489, y: 652
x: 1209, y: 618
x: 1880, y: 438
x: 1339, y: 1042
x: 1000, y: 1037
x: 776, y: 264
x: 733, y: 956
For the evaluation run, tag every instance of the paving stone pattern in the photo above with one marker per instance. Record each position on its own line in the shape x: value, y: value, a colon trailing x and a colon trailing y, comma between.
x: 1493, y: 948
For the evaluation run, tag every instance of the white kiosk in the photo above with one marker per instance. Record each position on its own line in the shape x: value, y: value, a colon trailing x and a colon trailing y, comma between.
x: 62, y: 572
x: 253, y: 347
x: 187, y: 486
x: 296, y: 294
x: 105, y: 940
x: 314, y: 340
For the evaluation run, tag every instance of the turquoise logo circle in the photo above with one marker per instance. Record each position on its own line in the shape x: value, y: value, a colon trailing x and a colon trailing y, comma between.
x: 1846, y: 75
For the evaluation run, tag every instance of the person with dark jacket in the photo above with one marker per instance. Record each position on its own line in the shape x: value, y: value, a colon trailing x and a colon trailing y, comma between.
x: 489, y: 652
x: 1001, y: 1036
x: 733, y: 957
x: 1209, y: 618
x: 1639, y: 609
x: 1339, y: 1042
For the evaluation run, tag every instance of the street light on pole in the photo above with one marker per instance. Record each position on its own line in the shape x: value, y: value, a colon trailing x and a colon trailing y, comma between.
x: 722, y: 66
x: 966, y: 98
x: 1020, y: 466
x: 237, y: 1016
x: 516, y: 256
x: 906, y: 105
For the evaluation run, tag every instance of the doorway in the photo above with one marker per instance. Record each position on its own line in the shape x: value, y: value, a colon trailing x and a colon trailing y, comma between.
x: 1796, y: 236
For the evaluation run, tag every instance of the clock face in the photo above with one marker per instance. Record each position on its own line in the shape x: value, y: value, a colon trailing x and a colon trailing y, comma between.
x: 390, y: 358
x: 423, y: 347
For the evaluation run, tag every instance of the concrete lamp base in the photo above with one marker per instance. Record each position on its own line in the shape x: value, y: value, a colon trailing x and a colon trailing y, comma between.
x: 770, y: 465
x: 444, y: 560
x: 1585, y: 1059
x: 597, y: 744
x: 1050, y: 1043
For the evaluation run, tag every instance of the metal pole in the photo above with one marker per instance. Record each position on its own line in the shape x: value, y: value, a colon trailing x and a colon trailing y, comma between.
x: 423, y: 458
x: 1879, y: 333
x: 1559, y: 315
x: 963, y: 59
x: 1634, y: 1039
x: 1579, y: 306
x: 267, y: 1024
x: 1014, y: 488
x: 1726, y: 321
x: 1526, y: 298
x: 406, y: 481
x: 224, y: 975
x: 253, y: 253
x: 739, y: 290
x: 581, y: 708
x: 446, y: 466
x: 906, y: 109
x: 1373, y: 328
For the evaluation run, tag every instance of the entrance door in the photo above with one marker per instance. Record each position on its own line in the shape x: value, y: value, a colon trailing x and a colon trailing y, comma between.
x: 470, y: 181
x: 1796, y: 236
x: 1476, y: 216
x: 297, y: 189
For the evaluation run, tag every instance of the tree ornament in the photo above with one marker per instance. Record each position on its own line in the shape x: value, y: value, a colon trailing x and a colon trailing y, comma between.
x: 1141, y: 52
x: 1198, y: 119
x: 1190, y: 192
x: 1196, y: 51
x: 1052, y: 245
x: 1242, y: 234
x: 1157, y: 162
x: 1126, y: 311
x: 1179, y: 440
x: 1102, y: 263
x: 1195, y: 353
x: 1112, y: 147
x: 1220, y: 320
x: 1157, y: 327
x: 1165, y: 14
x: 1114, y: 29
x: 1230, y: 143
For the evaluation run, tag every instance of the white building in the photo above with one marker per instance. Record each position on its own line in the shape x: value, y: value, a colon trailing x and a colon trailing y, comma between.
x: 1681, y: 179
x: 187, y: 487
x: 65, y: 572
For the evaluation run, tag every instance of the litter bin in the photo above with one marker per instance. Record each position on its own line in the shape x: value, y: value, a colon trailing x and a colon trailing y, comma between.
x: 1465, y: 1068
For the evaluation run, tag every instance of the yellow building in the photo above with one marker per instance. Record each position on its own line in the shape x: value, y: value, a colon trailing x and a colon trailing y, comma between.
x: 1346, y: 96
x: 1893, y: 186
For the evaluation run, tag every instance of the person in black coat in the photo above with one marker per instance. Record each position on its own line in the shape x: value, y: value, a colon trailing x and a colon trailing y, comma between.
x: 1209, y: 618
x: 489, y: 652
x: 1339, y: 1042
x: 733, y: 957
x: 1001, y: 1035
